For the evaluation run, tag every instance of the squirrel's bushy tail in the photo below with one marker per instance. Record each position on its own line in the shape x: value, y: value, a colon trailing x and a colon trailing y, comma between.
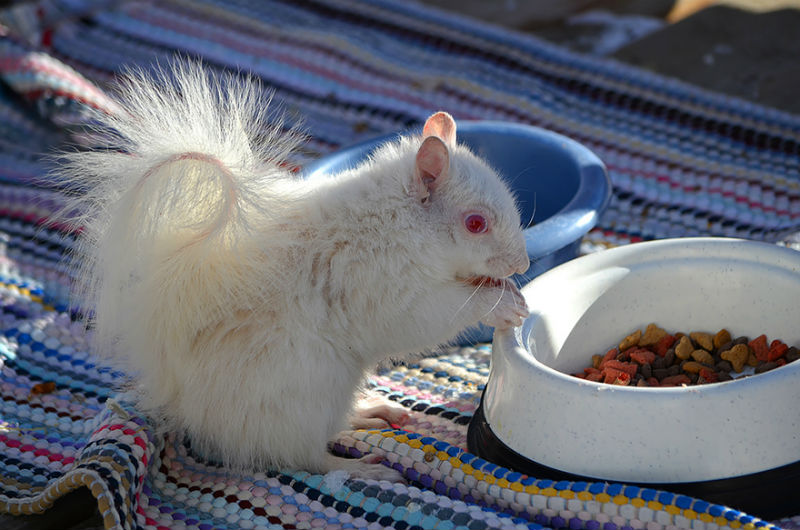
x: 168, y: 210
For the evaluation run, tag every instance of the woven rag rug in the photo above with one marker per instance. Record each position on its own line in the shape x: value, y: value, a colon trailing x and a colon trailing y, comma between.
x: 683, y: 162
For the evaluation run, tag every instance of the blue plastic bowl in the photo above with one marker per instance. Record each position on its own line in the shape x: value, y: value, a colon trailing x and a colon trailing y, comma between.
x: 561, y: 186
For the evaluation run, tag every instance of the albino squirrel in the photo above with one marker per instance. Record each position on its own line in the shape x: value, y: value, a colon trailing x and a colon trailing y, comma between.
x: 249, y: 302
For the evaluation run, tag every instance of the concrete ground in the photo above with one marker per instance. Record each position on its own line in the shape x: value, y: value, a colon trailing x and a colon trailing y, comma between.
x: 745, y: 48
x: 751, y: 55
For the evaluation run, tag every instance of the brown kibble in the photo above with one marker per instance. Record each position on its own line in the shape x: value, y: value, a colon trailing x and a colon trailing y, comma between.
x: 727, y: 346
x: 752, y: 360
x: 724, y: 366
x: 429, y: 457
x: 43, y: 388
x: 737, y: 356
x: 766, y: 367
x: 702, y: 356
x: 704, y: 340
x: 723, y: 336
x: 360, y: 126
x: 669, y: 357
x: 646, y: 370
x: 631, y: 340
x: 660, y: 373
x: 684, y: 348
x: 652, y: 335
x: 715, y: 355
x: 692, y: 367
x: 792, y: 354
x: 656, y: 357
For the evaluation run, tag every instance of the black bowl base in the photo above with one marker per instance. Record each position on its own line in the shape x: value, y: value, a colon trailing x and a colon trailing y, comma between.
x: 770, y: 494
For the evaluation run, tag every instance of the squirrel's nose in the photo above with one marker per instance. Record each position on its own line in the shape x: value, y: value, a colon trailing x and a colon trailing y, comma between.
x: 522, y: 263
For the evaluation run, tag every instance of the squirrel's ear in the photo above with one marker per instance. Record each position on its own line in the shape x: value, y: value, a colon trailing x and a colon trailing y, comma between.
x: 431, y: 167
x: 442, y: 125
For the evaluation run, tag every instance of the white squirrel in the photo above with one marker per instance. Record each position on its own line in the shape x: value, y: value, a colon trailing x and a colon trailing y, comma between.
x: 250, y: 302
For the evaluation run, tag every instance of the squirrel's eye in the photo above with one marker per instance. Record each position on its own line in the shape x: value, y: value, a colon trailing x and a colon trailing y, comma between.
x: 476, y: 223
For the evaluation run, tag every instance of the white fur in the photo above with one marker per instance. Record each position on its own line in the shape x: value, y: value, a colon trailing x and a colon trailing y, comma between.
x: 249, y: 303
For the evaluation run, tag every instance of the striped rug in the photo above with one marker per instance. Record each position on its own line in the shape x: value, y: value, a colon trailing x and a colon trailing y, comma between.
x: 682, y: 161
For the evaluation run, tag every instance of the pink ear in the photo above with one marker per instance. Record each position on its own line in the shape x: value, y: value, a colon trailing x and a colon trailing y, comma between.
x: 442, y: 125
x: 431, y: 167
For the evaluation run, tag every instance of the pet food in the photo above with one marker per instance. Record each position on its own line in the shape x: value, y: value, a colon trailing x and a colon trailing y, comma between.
x: 46, y: 387
x: 658, y: 358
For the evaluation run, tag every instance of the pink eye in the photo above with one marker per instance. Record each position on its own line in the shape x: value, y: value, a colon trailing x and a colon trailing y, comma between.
x: 476, y: 223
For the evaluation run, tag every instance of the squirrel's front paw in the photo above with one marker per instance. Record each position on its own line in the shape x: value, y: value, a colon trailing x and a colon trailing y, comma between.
x: 367, y: 467
x: 382, y: 416
x: 509, y: 307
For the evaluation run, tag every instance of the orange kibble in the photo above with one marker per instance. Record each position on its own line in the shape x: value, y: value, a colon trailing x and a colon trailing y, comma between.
x: 611, y: 374
x: 777, y: 349
x: 611, y: 355
x: 642, y: 356
x: 628, y: 368
x: 676, y: 380
x: 616, y: 377
x: 647, y: 359
x: 708, y: 374
x: 759, y: 347
x: 664, y: 344
x: 622, y: 380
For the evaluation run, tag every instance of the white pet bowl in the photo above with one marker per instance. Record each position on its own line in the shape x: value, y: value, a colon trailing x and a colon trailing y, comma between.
x: 720, y: 442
